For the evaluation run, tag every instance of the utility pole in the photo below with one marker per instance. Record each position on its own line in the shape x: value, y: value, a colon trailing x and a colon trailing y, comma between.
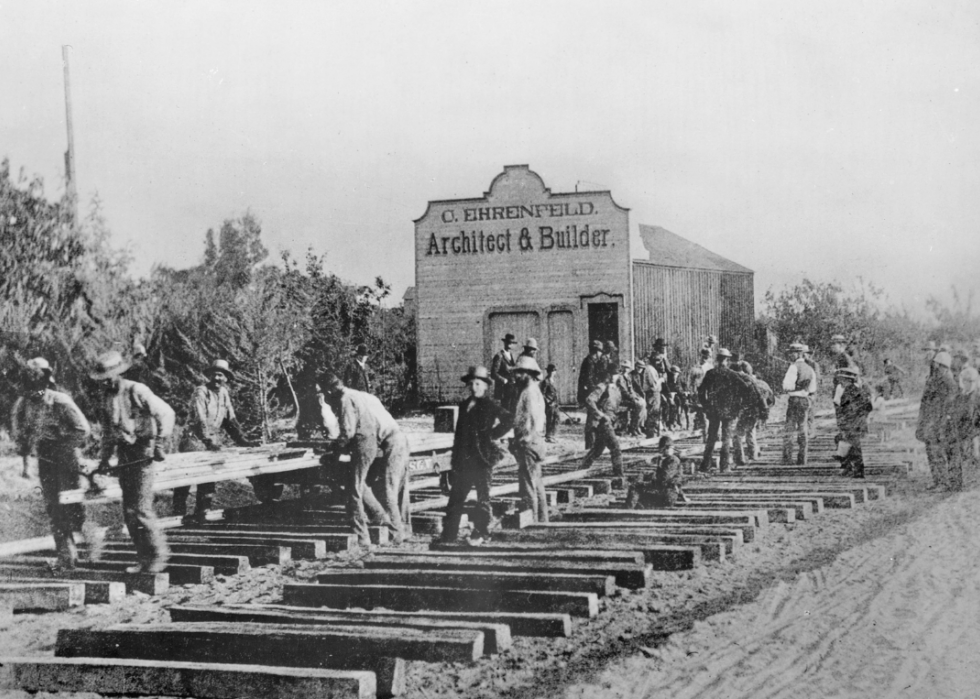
x: 70, y: 153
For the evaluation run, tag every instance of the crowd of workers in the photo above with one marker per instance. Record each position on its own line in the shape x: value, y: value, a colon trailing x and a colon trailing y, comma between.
x: 720, y: 392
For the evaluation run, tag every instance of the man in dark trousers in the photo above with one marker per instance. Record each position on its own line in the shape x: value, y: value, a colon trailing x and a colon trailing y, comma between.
x: 481, y: 422
x: 664, y: 489
x: 936, y: 405
x: 724, y: 394
x: 209, y: 414
x: 798, y: 383
x: 592, y: 373
x: 501, y: 369
x: 853, y: 402
x: 356, y: 376
x: 604, y: 406
x: 755, y: 412
x: 551, y: 408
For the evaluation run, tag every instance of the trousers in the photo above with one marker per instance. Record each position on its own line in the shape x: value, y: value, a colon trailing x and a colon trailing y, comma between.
x: 464, y: 480
x: 604, y: 436
x: 797, y: 425
x: 136, y: 483
x: 377, y: 470
x: 58, y: 469
x: 530, y: 483
x: 718, y: 427
x: 744, y: 432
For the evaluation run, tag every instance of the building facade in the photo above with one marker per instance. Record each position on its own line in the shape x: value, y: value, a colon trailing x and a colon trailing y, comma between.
x: 522, y: 259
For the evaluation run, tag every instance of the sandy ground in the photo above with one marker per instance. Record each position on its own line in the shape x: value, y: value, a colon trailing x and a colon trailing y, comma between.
x: 879, y: 601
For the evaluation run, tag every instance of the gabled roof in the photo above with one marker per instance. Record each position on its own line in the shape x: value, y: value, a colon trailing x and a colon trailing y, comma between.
x: 671, y: 250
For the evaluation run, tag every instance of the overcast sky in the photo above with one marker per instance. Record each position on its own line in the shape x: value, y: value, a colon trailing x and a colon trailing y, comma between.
x: 829, y: 139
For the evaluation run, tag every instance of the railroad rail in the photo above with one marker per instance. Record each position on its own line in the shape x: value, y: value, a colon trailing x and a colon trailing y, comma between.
x: 352, y: 631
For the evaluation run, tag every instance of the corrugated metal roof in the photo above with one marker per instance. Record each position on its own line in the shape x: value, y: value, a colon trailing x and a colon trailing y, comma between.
x: 671, y: 250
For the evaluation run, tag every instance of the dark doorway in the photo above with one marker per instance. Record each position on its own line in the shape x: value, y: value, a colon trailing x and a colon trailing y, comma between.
x: 604, y: 322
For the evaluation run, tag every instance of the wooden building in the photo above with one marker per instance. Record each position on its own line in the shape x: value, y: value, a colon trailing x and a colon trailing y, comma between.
x: 556, y: 266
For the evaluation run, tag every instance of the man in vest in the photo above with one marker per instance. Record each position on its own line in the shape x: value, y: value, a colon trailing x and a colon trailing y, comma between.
x: 356, y: 375
x: 134, y: 424
x: 799, y: 384
x: 209, y: 414
x: 501, y: 369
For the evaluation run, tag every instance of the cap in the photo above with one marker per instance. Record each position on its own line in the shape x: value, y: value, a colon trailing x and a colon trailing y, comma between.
x: 550, y: 368
x: 930, y: 345
x: 806, y: 349
x: 530, y: 342
x: 722, y: 352
x: 108, y: 365
x: 838, y: 338
x: 38, y: 365
x: 665, y: 442
x: 797, y: 347
x: 626, y: 364
x: 528, y: 364
x: 477, y: 372
x: 849, y: 372
x: 659, y: 342
x: 139, y: 350
x: 361, y: 349
x: 596, y: 344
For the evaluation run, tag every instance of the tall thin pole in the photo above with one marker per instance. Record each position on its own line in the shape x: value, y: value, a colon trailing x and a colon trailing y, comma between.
x: 70, y: 153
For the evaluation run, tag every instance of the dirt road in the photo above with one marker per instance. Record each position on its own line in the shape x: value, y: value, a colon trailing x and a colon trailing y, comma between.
x: 898, y: 616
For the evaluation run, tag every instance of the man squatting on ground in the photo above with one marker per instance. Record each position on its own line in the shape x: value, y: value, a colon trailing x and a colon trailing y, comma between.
x: 48, y: 423
x: 377, y: 477
x: 664, y: 490
x: 210, y: 411
x: 481, y: 422
x: 133, y: 421
x: 936, y: 398
x: 604, y: 405
x: 528, y: 445
x: 853, y: 404
x: 799, y: 383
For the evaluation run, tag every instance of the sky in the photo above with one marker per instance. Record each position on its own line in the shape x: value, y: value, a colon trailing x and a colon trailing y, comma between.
x: 834, y: 140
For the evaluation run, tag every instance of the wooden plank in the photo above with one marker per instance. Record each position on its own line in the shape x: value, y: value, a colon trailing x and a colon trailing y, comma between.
x: 756, y: 518
x: 599, y: 585
x: 863, y: 490
x: 96, y: 591
x: 629, y: 575
x: 257, y: 555
x: 815, y: 503
x: 147, y: 583
x: 379, y: 535
x: 415, y: 598
x: 838, y: 499
x: 783, y: 513
x: 106, y: 676
x: 721, y: 531
x: 600, y: 486
x: 46, y: 596
x: 222, y: 565
x: 712, y: 548
x: 524, y: 552
x: 308, y: 549
x: 496, y: 637
x: 179, y: 573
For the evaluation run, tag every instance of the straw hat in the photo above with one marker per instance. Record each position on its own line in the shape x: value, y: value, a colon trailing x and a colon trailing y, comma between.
x: 108, y: 365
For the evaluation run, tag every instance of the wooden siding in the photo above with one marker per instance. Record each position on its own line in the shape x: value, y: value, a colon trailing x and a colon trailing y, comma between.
x: 684, y: 306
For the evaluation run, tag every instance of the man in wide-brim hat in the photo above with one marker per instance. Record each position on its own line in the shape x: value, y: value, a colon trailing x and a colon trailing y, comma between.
x: 47, y: 423
x: 528, y: 445
x: 210, y: 413
x: 854, y: 404
x: 134, y: 421
x: 481, y: 422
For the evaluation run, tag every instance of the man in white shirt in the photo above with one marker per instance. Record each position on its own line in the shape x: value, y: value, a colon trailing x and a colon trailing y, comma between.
x: 799, y: 383
x: 528, y: 444
x: 379, y: 455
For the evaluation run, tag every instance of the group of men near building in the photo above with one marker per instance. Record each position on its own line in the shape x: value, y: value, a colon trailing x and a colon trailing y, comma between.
x: 949, y: 414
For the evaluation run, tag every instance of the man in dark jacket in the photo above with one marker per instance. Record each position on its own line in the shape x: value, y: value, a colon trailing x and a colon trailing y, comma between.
x: 724, y: 394
x: 853, y: 403
x: 501, y: 369
x: 664, y: 489
x: 356, y: 375
x: 551, y: 407
x: 933, y: 411
x: 592, y: 373
x: 757, y: 411
x: 481, y: 422
x: 604, y: 406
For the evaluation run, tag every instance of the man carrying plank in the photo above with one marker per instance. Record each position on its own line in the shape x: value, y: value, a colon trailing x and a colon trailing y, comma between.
x: 133, y: 420
x: 210, y: 411
x: 49, y: 423
x: 379, y: 454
